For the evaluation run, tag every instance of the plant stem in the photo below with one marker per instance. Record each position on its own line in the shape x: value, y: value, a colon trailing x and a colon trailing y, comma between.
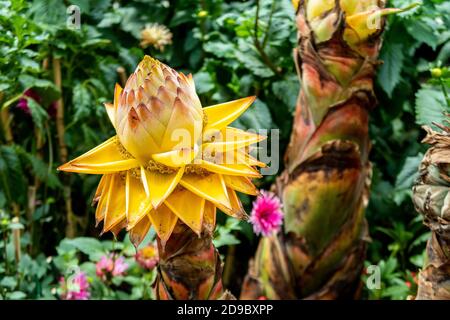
x: 189, y: 267
x: 5, y: 241
x: 71, y: 221
x: 269, y: 24
x: 229, y: 264
x: 258, y: 46
x: 6, y: 119
x: 16, y: 240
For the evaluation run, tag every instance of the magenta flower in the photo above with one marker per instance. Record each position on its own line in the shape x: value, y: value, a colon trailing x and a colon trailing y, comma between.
x: 22, y: 104
x: 109, y: 266
x: 23, y: 101
x: 147, y: 257
x: 75, y: 287
x: 266, y: 215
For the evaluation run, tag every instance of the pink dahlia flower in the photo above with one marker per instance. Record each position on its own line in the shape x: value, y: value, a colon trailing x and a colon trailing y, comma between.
x: 147, y: 257
x: 75, y: 287
x: 266, y: 215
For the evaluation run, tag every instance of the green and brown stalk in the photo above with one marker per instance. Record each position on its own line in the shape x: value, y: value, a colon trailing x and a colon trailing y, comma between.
x: 189, y: 267
x: 431, y: 196
x: 324, y: 188
x: 71, y: 221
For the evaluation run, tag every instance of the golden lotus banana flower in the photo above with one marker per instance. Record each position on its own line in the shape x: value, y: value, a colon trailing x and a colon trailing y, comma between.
x: 170, y: 158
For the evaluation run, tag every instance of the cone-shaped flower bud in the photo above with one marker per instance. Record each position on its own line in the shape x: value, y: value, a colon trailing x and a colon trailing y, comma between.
x: 158, y: 111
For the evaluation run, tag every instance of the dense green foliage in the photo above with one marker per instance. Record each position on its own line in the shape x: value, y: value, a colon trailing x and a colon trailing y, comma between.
x: 234, y: 49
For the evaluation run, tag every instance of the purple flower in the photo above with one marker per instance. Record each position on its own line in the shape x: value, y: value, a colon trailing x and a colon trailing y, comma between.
x: 75, y: 287
x: 266, y: 215
x: 23, y: 101
x: 109, y: 266
x: 22, y: 104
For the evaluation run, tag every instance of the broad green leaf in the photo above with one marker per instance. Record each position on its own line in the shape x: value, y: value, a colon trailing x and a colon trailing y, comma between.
x: 389, y: 73
x: 423, y: 33
x: 287, y: 91
x: 82, y: 102
x: 409, y: 172
x: 430, y: 106
x: 256, y: 117
x: 38, y: 114
x: 203, y: 82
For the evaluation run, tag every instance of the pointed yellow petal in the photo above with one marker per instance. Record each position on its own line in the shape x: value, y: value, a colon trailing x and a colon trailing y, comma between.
x: 237, y: 211
x: 118, y: 227
x: 188, y: 207
x: 138, y: 203
x: 221, y: 115
x: 241, y: 184
x: 230, y: 169
x: 105, y: 158
x: 144, y: 181
x: 111, y: 111
x: 163, y: 220
x: 209, y: 217
x: 232, y: 139
x: 103, y: 201
x: 211, y: 187
x: 138, y: 233
x: 99, y: 190
x: 245, y: 158
x: 162, y: 185
x: 361, y: 25
x: 115, y: 211
x: 117, y: 93
x: 177, y: 158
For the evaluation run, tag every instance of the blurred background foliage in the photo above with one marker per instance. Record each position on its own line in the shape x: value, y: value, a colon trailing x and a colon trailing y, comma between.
x: 234, y: 49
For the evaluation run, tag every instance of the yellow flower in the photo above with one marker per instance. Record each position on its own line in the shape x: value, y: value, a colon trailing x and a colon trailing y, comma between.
x: 156, y: 35
x: 170, y: 158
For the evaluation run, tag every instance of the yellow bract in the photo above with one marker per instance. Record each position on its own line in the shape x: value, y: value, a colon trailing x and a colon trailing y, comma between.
x: 171, y: 159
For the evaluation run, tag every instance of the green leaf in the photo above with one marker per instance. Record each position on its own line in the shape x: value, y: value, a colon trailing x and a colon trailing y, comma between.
x: 89, y: 246
x: 256, y: 117
x: 389, y: 74
x: 203, y: 82
x: 423, y: 33
x: 81, y: 100
x: 28, y: 82
x: 9, y: 282
x: 430, y: 106
x: 180, y: 17
x: 38, y: 114
x: 409, y: 172
x: 12, y: 178
x: 287, y: 91
x: 220, y: 49
x: 17, y: 295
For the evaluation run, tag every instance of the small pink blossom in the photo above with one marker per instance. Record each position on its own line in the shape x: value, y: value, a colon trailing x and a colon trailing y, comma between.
x: 120, y: 267
x: 110, y: 266
x: 75, y: 287
x: 147, y: 257
x: 266, y: 215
